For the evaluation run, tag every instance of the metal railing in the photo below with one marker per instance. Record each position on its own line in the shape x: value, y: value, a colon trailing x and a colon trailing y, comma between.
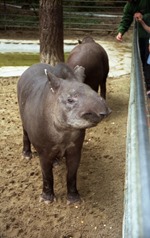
x: 136, y: 222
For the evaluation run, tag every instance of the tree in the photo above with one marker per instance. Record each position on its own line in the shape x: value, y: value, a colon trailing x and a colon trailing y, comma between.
x: 51, y: 31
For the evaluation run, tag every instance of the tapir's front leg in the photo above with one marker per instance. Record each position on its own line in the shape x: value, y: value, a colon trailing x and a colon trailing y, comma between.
x: 72, y: 162
x: 47, y: 173
x: 73, y: 156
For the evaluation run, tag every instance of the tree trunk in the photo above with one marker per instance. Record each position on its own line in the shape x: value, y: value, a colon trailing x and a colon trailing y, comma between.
x: 51, y: 31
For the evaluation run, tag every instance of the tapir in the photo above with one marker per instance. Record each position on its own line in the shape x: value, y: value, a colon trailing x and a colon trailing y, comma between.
x: 55, y: 114
x: 93, y: 57
x: 62, y: 70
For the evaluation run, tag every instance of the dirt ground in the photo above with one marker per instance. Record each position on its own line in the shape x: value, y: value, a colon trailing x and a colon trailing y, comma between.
x: 100, y: 176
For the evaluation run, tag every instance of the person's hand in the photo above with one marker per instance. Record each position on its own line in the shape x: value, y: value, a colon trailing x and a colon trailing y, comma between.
x: 138, y: 16
x: 119, y: 36
x: 139, y: 20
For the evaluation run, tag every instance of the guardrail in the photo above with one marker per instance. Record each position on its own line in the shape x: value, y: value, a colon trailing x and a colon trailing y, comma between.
x: 136, y: 222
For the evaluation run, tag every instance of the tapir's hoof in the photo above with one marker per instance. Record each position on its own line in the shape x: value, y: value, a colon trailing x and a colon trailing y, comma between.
x: 75, y: 198
x: 27, y: 155
x: 56, y: 162
x: 47, y: 198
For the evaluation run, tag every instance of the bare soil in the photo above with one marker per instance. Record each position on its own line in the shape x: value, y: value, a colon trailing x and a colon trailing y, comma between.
x: 100, y: 176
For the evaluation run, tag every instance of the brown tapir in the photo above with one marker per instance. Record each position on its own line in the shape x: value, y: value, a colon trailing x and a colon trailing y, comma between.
x: 55, y: 113
x: 94, y: 59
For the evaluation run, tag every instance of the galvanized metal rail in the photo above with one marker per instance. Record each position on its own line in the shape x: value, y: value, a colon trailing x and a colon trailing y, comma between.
x: 136, y: 221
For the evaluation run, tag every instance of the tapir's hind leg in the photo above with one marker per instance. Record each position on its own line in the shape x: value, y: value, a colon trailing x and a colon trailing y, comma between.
x: 27, y: 154
x: 103, y: 89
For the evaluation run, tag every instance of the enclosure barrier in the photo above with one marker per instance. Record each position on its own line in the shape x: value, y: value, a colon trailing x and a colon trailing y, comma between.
x: 136, y: 221
x: 90, y: 16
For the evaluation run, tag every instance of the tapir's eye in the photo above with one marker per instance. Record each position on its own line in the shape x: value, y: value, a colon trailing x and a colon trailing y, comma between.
x: 70, y: 100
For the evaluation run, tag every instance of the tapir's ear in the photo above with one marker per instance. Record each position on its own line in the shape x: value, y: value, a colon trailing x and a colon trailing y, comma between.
x: 79, y: 71
x: 53, y: 80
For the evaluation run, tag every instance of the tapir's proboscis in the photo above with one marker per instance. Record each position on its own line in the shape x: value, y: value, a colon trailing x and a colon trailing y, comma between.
x: 55, y: 113
x: 93, y: 57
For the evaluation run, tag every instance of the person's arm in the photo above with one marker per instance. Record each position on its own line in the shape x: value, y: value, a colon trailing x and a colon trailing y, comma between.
x: 139, y: 17
x: 126, y: 21
x: 145, y: 26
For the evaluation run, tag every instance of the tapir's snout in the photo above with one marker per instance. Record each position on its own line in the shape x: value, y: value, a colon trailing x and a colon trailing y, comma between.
x: 103, y: 109
x: 105, y: 113
x: 94, y: 117
x: 108, y: 111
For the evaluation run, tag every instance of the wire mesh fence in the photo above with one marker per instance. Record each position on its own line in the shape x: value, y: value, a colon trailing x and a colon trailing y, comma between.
x: 88, y: 16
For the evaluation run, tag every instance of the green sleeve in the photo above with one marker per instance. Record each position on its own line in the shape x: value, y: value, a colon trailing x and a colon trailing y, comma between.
x: 127, y: 18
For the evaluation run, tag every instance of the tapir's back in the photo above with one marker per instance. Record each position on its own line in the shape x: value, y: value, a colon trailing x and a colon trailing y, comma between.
x: 31, y: 80
x: 89, y: 55
x: 33, y: 76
